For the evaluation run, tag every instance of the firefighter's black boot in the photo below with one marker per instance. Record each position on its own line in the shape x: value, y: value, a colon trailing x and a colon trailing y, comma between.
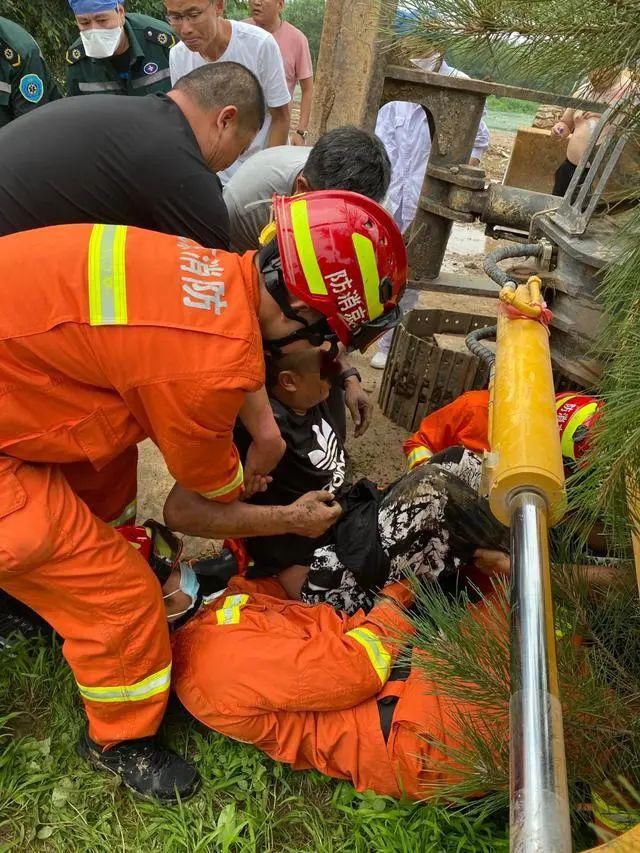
x: 144, y: 766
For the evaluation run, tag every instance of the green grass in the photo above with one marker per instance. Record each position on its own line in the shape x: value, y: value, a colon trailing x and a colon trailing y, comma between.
x: 511, y: 105
x: 50, y: 800
x: 509, y: 113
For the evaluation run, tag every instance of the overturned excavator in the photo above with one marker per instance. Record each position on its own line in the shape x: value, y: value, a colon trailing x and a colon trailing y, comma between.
x: 567, y: 242
x: 558, y: 249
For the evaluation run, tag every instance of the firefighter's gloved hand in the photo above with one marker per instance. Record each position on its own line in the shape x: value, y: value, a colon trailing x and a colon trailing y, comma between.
x: 359, y: 404
x: 313, y: 514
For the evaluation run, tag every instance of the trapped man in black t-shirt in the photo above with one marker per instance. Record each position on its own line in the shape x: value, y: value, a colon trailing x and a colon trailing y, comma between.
x: 430, y: 522
x: 149, y: 162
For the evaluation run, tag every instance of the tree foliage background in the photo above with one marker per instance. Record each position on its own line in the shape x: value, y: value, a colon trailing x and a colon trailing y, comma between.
x: 51, y: 23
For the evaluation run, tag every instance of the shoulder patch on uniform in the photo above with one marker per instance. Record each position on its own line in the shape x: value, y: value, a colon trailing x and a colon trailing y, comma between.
x: 9, y: 54
x: 75, y: 53
x: 32, y: 88
x: 161, y: 37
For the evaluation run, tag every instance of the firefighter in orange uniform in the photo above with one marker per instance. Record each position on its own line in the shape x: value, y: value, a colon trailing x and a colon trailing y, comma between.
x: 465, y: 422
x: 314, y: 688
x: 110, y: 335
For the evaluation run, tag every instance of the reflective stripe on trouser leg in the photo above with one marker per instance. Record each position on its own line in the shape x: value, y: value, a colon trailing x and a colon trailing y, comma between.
x: 157, y: 682
x: 99, y: 594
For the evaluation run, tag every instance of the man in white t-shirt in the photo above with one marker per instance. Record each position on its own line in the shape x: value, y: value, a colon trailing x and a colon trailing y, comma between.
x: 208, y: 37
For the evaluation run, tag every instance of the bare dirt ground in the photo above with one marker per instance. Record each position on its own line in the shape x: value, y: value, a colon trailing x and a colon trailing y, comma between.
x: 378, y: 454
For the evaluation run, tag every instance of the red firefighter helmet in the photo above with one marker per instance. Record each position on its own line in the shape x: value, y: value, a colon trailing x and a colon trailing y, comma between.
x: 576, y: 414
x: 342, y: 255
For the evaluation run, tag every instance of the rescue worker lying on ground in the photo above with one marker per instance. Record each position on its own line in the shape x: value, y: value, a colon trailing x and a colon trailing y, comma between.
x: 465, y: 422
x: 315, y: 688
x: 431, y: 523
x: 130, y: 334
x: 310, y: 686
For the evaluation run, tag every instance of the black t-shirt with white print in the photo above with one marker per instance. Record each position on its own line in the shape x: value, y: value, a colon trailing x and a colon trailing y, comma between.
x: 314, y: 460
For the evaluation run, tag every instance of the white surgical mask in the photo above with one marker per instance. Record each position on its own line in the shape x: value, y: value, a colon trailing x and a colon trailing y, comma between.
x: 101, y: 43
x: 189, y: 585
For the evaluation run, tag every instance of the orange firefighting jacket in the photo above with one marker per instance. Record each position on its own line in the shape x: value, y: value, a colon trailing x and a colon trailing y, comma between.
x: 464, y: 421
x: 110, y: 334
x: 305, y: 684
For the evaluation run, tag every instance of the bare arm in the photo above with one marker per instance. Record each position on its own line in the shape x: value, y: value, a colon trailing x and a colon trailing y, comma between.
x: 568, y: 117
x: 190, y: 513
x: 279, y: 130
x: 306, y: 88
x: 356, y: 399
x: 567, y: 121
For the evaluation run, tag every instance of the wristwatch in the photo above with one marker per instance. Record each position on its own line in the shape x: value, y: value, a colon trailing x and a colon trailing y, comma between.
x: 302, y: 133
x: 347, y: 374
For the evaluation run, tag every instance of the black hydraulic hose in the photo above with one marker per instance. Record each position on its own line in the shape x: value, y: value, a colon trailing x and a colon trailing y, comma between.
x: 473, y: 344
x: 523, y: 250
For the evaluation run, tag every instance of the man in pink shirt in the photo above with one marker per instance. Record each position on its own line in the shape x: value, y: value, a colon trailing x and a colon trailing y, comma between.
x: 296, y: 56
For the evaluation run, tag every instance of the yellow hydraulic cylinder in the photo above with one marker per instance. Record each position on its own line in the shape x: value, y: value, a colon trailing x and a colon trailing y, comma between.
x: 525, y: 443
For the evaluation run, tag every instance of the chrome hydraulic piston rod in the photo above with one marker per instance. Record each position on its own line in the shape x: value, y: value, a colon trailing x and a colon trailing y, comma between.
x: 525, y: 483
x: 538, y: 782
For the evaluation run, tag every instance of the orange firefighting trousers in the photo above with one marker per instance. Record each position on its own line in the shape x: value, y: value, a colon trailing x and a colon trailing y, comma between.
x: 95, y: 589
x: 304, y: 684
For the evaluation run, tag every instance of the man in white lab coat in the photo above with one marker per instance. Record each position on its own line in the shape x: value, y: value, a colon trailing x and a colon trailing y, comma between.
x: 404, y: 130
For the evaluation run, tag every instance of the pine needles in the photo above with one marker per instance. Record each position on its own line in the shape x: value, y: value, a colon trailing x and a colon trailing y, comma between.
x: 463, y: 653
x: 553, y: 37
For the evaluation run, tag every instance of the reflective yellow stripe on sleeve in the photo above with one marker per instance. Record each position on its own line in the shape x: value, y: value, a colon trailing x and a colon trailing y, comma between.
x: 417, y: 456
x: 376, y: 652
x: 366, y: 256
x: 107, y: 276
x: 237, y: 481
x: 145, y: 689
x: 304, y: 247
x: 229, y: 613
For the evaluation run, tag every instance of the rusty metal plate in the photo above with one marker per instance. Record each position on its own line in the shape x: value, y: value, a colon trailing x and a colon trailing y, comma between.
x: 422, y: 375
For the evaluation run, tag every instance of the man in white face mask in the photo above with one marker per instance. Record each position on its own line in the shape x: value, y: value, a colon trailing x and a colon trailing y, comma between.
x: 118, y: 53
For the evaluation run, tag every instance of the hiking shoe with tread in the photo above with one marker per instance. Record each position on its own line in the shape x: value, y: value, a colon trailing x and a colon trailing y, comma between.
x: 148, y: 769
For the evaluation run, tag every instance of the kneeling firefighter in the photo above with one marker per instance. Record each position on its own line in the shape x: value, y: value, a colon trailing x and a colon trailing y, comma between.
x: 110, y: 335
